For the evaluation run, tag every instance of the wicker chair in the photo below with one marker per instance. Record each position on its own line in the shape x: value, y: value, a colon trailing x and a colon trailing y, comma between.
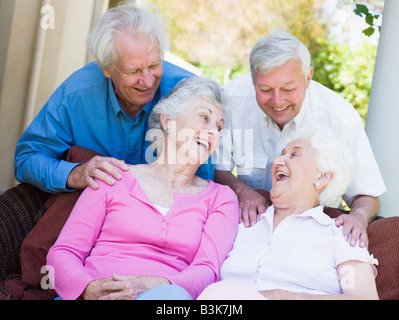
x: 20, y: 209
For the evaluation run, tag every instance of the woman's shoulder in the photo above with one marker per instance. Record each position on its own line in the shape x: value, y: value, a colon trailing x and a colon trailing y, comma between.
x: 221, y: 188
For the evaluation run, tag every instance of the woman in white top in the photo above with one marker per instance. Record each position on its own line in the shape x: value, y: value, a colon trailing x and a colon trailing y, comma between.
x: 295, y: 251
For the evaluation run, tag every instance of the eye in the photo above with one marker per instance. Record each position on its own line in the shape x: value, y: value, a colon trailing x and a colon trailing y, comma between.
x: 293, y: 154
x: 289, y: 90
x: 130, y: 72
x: 266, y: 90
x: 204, y: 116
x: 154, y: 66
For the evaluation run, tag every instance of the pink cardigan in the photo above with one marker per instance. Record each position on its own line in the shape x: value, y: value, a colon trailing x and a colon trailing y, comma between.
x: 116, y: 229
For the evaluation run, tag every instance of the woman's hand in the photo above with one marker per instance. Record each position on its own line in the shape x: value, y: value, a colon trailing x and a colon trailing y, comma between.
x: 129, y: 287
x: 94, y: 289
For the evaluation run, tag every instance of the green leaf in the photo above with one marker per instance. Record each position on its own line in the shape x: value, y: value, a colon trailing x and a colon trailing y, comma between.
x: 369, y: 19
x: 362, y: 8
x: 369, y: 31
x: 358, y: 13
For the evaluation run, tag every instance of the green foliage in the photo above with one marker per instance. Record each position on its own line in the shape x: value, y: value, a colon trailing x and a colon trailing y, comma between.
x: 218, y: 73
x: 363, y: 11
x: 217, y: 36
x: 348, y: 70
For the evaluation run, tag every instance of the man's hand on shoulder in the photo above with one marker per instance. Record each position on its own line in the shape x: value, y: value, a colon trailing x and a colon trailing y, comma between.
x: 83, y: 176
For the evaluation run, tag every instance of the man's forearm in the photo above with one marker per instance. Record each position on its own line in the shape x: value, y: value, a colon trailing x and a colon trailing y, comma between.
x: 44, y: 172
x: 366, y: 207
x: 227, y: 178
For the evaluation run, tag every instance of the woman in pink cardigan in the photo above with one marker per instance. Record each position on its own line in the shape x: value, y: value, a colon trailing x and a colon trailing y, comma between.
x: 161, y: 232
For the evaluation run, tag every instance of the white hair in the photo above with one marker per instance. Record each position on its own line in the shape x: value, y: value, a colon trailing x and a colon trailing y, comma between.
x: 124, y: 18
x: 180, y: 97
x: 275, y: 50
x: 332, y: 155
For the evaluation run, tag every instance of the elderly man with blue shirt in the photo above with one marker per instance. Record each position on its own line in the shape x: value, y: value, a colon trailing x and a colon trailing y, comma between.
x: 104, y: 107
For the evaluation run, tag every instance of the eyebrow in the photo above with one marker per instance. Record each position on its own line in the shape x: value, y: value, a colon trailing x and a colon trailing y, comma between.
x: 284, y: 84
x: 127, y: 69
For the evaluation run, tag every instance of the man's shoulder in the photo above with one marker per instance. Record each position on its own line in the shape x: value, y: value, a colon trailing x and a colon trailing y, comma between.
x: 240, y: 86
x: 85, y: 78
x: 172, y: 74
x: 326, y: 101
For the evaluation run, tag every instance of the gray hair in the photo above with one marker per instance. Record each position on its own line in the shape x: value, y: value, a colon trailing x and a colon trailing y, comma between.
x: 275, y: 50
x: 123, y: 18
x: 332, y: 155
x: 175, y: 103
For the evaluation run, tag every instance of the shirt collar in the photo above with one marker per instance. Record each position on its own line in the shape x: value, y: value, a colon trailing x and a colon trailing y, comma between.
x: 316, y: 213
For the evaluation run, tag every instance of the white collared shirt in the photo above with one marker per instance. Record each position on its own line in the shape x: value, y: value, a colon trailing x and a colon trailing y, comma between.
x: 301, y: 255
x: 251, y: 140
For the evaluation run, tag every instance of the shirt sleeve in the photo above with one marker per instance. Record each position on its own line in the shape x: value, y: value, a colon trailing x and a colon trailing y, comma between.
x: 366, y: 177
x: 345, y: 252
x: 42, y: 146
x: 207, y: 170
x: 216, y: 242
x: 66, y: 258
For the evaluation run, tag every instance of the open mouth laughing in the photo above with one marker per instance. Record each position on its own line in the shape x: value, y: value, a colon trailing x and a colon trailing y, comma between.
x: 281, y: 175
x: 205, y: 144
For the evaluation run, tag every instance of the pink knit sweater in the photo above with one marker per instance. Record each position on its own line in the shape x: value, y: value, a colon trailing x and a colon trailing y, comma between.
x: 116, y: 229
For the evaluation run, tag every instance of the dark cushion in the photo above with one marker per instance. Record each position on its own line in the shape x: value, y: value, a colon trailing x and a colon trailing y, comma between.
x: 384, y: 245
x: 20, y: 209
x: 37, y: 243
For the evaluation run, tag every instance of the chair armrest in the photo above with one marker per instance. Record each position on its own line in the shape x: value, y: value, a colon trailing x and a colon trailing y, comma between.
x: 20, y: 209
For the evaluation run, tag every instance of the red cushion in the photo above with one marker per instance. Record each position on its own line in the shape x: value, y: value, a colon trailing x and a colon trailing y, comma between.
x: 384, y: 245
x: 35, y: 246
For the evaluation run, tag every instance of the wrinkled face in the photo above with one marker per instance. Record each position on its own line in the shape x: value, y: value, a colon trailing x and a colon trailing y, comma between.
x: 294, y: 174
x: 137, y: 72
x: 196, y: 133
x: 281, y: 92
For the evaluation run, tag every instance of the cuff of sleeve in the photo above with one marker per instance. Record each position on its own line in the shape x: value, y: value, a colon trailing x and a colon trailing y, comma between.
x: 60, y: 179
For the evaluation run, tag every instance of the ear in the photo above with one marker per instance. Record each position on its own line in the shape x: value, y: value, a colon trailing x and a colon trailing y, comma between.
x: 106, y: 73
x: 325, y: 179
x: 164, y: 122
x: 309, y: 78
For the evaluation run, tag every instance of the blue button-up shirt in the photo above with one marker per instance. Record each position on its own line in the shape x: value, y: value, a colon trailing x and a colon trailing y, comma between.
x: 85, y: 112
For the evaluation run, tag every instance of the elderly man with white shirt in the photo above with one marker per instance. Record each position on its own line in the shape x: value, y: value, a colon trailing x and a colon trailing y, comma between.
x: 267, y: 108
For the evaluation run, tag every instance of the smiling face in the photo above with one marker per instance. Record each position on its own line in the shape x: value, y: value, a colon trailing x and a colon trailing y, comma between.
x: 294, y: 175
x: 195, y: 134
x: 281, y: 92
x: 137, y: 72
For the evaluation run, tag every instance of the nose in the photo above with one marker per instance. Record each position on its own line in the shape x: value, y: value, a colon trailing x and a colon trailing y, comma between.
x: 279, y: 161
x: 213, y: 129
x: 277, y: 98
x: 210, y: 132
x: 147, y: 79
